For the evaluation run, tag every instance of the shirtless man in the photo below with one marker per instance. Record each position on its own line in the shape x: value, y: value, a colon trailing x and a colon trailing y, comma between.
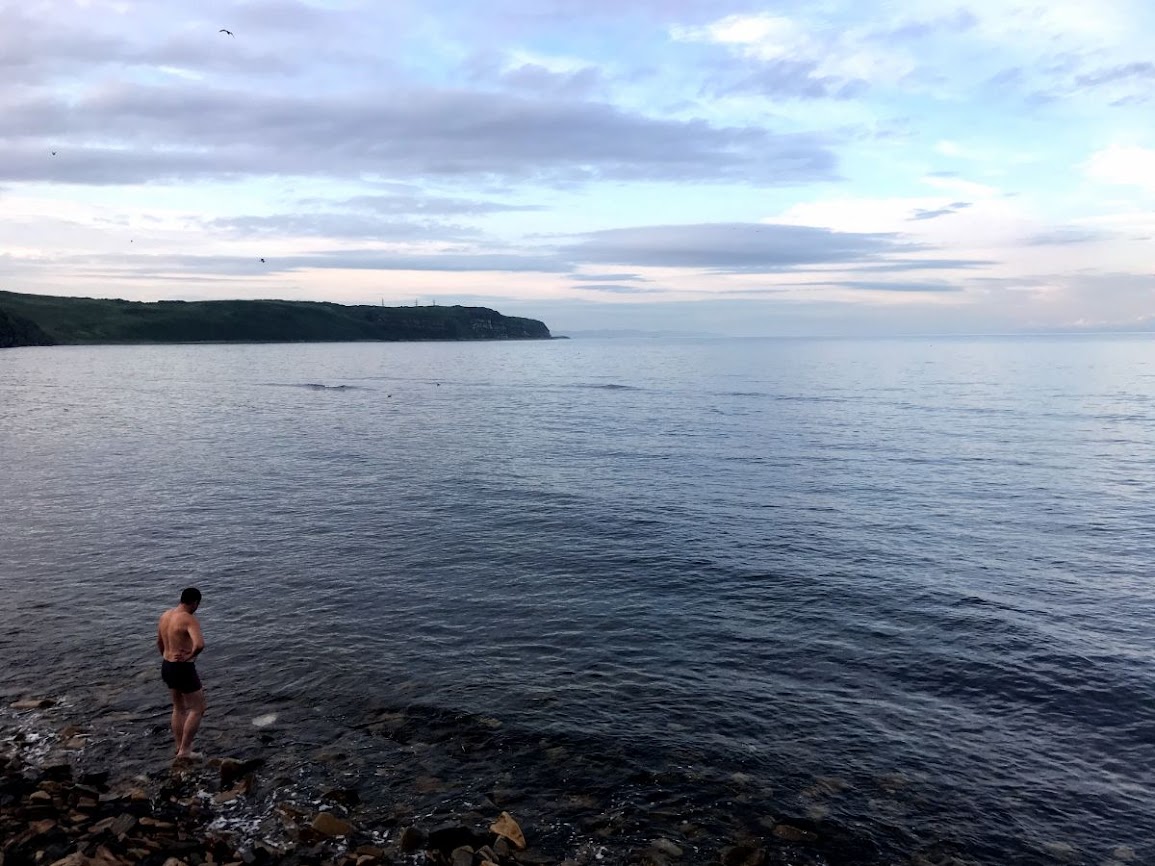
x: 179, y: 640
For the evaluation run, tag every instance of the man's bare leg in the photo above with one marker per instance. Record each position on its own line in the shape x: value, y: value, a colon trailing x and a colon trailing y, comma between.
x: 178, y: 718
x: 194, y: 710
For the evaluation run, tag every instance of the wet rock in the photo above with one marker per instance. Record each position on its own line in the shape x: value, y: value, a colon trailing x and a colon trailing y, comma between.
x: 123, y: 824
x: 461, y: 856
x: 96, y: 780
x: 892, y: 783
x: 742, y: 855
x: 450, y: 836
x: 825, y: 786
x: 506, y: 827
x: 58, y: 770
x: 817, y: 812
x: 533, y: 858
x: 227, y: 796
x: 343, y: 796
x: 33, y: 704
x: 666, y: 847
x: 232, y: 769
x: 1062, y: 851
x: 74, y: 859
x: 411, y: 839
x: 328, y: 824
x: 790, y: 833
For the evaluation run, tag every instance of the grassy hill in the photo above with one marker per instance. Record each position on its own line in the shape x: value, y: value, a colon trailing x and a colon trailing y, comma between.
x: 18, y: 331
x: 92, y: 320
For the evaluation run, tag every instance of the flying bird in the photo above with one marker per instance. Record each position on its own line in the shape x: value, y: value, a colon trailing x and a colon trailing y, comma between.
x: 226, y: 32
x: 54, y: 153
x: 262, y: 261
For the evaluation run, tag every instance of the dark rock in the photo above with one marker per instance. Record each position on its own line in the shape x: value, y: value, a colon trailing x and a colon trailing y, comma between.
x: 411, y: 839
x: 742, y: 855
x: 344, y: 796
x: 790, y: 833
x: 122, y: 824
x: 59, y: 770
x: 446, y: 838
x: 667, y: 848
x: 232, y: 770
x: 461, y: 856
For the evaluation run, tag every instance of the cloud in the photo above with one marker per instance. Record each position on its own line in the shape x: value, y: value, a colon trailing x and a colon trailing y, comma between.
x: 1066, y: 236
x: 534, y: 78
x: 336, y: 225
x: 734, y: 247
x: 785, y: 57
x: 887, y: 286
x: 606, y: 278
x: 1142, y: 72
x: 619, y: 289
x: 934, y: 213
x: 796, y: 79
x: 337, y: 259
x: 417, y: 203
x: 130, y: 133
x: 1123, y: 165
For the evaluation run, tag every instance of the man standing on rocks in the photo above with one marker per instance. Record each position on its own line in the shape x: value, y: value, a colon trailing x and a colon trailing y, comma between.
x: 179, y: 641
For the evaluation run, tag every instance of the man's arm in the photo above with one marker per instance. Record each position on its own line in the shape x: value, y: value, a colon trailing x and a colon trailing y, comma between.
x: 159, y: 641
x: 198, y: 639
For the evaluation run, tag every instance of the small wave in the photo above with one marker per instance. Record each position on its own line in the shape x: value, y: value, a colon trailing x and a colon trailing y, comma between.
x: 316, y: 386
x: 609, y: 387
x: 784, y: 398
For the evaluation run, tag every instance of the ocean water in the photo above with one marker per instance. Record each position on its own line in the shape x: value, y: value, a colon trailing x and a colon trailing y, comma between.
x: 896, y: 591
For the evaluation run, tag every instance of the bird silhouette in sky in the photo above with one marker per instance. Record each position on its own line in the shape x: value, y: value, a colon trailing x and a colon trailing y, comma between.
x: 262, y: 261
x: 54, y: 153
x: 226, y: 32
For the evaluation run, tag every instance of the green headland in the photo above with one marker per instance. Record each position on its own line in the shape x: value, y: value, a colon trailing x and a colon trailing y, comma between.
x: 40, y: 320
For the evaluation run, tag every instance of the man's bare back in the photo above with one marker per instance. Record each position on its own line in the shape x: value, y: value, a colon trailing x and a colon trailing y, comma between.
x: 178, y: 635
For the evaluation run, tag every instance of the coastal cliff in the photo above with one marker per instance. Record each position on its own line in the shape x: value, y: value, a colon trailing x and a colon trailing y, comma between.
x: 44, y: 320
x: 18, y: 331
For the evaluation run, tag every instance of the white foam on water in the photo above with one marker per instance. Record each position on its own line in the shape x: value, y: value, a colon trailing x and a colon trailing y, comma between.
x: 265, y: 720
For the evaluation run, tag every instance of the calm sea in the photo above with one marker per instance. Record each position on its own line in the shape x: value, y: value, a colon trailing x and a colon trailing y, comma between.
x: 898, y: 590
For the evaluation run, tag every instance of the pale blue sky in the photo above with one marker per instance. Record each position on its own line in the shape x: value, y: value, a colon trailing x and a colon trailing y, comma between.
x: 738, y: 168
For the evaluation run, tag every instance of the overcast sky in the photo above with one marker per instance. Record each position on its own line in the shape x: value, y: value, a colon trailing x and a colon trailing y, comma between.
x: 723, y: 166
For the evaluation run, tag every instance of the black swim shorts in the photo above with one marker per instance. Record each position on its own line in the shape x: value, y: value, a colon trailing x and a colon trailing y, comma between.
x: 181, y: 676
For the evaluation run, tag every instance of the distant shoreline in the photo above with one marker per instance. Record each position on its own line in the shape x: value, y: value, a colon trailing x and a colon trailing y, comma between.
x: 41, y: 320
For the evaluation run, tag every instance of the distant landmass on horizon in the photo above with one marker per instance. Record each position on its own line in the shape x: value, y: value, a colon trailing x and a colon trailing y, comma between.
x: 45, y: 320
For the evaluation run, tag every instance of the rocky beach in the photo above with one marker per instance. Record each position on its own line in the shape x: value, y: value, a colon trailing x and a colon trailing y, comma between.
x: 65, y: 802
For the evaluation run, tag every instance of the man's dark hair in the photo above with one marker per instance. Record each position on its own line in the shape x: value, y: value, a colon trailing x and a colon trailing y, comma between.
x: 192, y: 595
